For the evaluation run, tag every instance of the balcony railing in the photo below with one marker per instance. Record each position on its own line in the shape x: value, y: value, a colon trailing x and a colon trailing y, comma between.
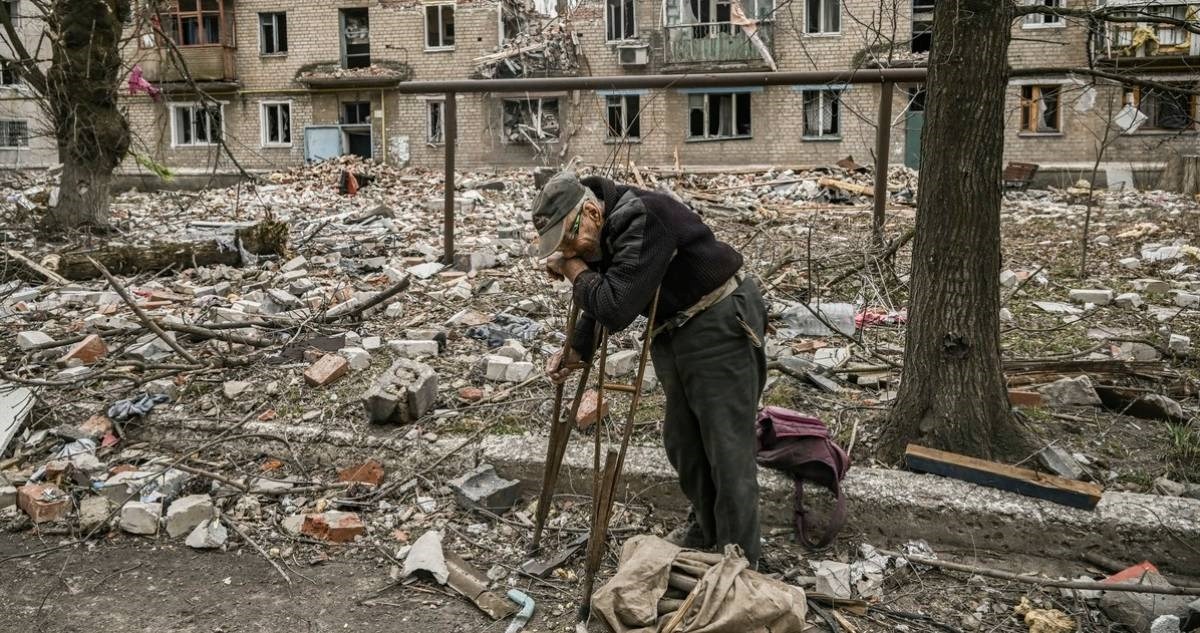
x: 211, y: 62
x: 714, y: 42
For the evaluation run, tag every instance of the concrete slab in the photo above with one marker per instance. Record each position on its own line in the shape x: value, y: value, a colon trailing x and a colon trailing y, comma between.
x: 886, y: 506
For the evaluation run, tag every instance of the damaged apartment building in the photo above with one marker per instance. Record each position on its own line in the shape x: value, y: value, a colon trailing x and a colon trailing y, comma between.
x: 285, y: 81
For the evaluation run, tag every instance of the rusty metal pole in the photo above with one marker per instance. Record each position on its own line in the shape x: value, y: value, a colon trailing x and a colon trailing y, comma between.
x: 450, y: 138
x: 883, y: 141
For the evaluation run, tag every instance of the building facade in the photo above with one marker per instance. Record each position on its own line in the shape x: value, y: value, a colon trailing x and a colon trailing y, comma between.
x: 281, y: 82
x: 25, y: 138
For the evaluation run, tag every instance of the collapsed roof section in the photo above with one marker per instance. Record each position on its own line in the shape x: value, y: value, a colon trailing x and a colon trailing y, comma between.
x: 535, y: 42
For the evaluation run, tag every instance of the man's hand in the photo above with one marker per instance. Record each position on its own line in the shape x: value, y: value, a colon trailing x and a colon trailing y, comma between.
x: 562, y: 363
x: 560, y: 266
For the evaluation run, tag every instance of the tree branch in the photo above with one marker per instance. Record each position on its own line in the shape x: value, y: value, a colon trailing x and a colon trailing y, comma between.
x: 27, y: 64
x: 1108, y: 14
x: 1129, y: 80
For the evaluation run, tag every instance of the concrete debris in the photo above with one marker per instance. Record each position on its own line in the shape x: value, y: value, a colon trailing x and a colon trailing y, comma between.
x: 1076, y: 391
x: 29, y: 340
x: 233, y: 389
x: 1179, y: 343
x: 1093, y: 296
x: 208, y: 534
x: 833, y: 578
x: 402, y: 394
x: 414, y: 349
x: 1138, y: 611
x: 185, y: 513
x: 1150, y: 286
x: 358, y: 358
x: 621, y: 363
x: 1060, y: 462
x: 94, y: 514
x: 426, y: 556
x: 140, y: 518
x: 483, y: 488
x: 1128, y: 300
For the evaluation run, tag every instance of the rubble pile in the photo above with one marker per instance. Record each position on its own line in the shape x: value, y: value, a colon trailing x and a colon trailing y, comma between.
x: 549, y: 51
x: 329, y: 393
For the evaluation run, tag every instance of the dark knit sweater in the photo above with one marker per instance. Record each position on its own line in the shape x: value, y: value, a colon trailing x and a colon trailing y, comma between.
x: 648, y: 240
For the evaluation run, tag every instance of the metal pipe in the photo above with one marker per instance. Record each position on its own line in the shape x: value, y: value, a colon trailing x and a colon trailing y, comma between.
x: 883, y: 139
x: 911, y: 75
x: 450, y: 139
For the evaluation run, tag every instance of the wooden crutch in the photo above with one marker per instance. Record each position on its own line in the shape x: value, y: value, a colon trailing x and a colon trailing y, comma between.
x: 560, y: 432
x: 605, y: 484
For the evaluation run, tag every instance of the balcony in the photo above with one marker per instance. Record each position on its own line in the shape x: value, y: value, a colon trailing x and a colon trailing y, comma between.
x: 207, y: 63
x: 715, y: 43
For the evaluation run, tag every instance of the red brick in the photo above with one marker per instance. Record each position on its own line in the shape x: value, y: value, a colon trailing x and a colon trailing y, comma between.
x: 470, y: 394
x: 1024, y: 398
x: 368, y: 472
x: 87, y: 351
x: 96, y: 426
x: 587, y: 414
x: 43, y: 502
x: 336, y: 527
x: 326, y: 370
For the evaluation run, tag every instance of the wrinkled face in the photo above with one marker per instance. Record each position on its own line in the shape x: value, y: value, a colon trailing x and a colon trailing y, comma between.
x: 584, y: 242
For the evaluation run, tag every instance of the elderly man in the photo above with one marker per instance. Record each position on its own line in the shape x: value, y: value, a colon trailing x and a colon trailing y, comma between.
x: 617, y: 245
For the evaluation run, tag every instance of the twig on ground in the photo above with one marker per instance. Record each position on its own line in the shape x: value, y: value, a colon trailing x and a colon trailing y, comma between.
x: 141, y: 314
x: 246, y: 537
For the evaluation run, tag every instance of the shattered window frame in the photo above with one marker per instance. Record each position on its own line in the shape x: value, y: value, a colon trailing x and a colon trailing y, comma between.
x: 524, y: 105
x: 272, y: 33
x: 823, y: 17
x: 1033, y: 119
x: 14, y: 133
x: 283, y: 123
x: 1042, y: 20
x: 361, y: 56
x: 824, y: 130
x: 729, y: 105
x: 624, y: 29
x: 620, y: 107
x: 435, y: 109
x: 361, y: 111
x: 193, y: 23
x: 188, y: 128
x: 1178, y: 34
x: 439, y: 32
x: 1150, y: 102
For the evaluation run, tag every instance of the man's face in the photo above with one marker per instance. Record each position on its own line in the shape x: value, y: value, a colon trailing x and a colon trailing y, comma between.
x: 585, y: 242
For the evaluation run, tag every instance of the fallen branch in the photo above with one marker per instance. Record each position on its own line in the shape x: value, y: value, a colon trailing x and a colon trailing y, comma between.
x: 141, y: 314
x: 1082, y: 585
x: 204, y: 332
x: 211, y: 475
x: 37, y: 268
x: 885, y: 254
x: 245, y: 537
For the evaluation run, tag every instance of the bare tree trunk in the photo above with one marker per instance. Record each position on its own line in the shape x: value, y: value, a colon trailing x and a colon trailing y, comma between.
x: 1181, y: 174
x: 83, y: 196
x: 953, y: 395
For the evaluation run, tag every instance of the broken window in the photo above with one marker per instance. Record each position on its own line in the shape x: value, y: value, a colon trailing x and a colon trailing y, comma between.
x: 1034, y: 20
x: 823, y: 16
x: 922, y: 26
x: 712, y: 18
x: 531, y: 121
x: 822, y: 113
x: 196, y: 124
x: 356, y: 113
x: 277, y: 123
x: 439, y: 26
x: 196, y: 23
x: 8, y: 73
x: 624, y: 120
x: 1040, y: 112
x: 272, y: 33
x: 1170, y: 34
x: 719, y: 115
x: 1165, y: 109
x: 356, y: 38
x: 759, y: 9
x: 14, y: 133
x: 619, y: 20
x: 434, y: 122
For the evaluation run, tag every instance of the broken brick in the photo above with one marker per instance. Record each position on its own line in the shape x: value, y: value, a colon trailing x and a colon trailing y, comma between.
x: 326, y: 370
x: 368, y: 472
x: 1024, y: 398
x: 470, y: 394
x: 96, y: 426
x: 333, y: 526
x: 588, y: 414
x: 43, y: 502
x: 87, y: 351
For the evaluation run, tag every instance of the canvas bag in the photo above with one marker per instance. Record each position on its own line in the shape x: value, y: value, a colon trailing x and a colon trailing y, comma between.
x: 801, y: 447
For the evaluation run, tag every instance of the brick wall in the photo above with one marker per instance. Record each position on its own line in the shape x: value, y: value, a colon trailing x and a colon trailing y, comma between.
x: 399, y: 122
x: 17, y: 102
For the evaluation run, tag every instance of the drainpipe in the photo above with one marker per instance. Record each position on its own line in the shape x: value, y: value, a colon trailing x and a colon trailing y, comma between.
x: 383, y: 134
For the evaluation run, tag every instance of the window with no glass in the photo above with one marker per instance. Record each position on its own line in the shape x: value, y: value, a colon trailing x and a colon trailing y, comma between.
x: 277, y: 123
x: 273, y: 33
x: 719, y: 115
x: 822, y: 114
x: 194, y: 124
x: 1040, y: 112
x: 439, y: 26
x: 823, y: 16
x: 624, y: 122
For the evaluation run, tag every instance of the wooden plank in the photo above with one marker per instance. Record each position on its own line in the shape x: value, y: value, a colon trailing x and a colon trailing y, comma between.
x: 1076, y: 494
x: 852, y: 187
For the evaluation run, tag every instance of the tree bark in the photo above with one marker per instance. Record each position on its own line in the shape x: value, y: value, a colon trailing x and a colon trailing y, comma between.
x: 1181, y: 174
x: 953, y: 395
x: 83, y: 196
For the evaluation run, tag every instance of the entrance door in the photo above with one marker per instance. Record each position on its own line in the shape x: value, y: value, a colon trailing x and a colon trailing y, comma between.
x: 913, y: 124
x: 358, y: 142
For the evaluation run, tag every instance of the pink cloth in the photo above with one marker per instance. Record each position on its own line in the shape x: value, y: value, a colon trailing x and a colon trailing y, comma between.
x: 137, y: 83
